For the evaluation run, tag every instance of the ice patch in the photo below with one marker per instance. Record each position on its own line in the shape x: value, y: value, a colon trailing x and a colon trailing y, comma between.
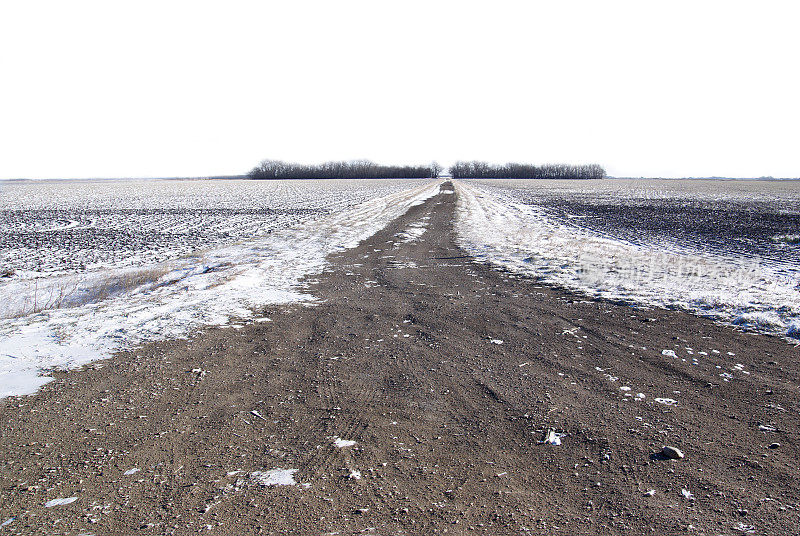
x: 60, y: 502
x: 275, y: 477
x: 354, y: 475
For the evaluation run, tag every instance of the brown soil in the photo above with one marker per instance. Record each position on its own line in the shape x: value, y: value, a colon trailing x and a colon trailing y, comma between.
x: 402, y: 356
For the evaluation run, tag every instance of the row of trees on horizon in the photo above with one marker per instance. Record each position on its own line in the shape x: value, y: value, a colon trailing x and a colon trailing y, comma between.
x: 364, y: 169
x: 355, y: 169
x: 483, y: 170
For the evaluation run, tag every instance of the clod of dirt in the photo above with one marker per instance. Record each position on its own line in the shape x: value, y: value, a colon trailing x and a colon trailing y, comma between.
x: 672, y: 453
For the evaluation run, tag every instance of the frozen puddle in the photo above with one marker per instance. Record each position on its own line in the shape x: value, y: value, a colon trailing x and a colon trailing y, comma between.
x: 220, y: 287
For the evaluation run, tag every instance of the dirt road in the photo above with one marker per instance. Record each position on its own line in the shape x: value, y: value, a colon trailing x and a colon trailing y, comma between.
x: 413, y: 399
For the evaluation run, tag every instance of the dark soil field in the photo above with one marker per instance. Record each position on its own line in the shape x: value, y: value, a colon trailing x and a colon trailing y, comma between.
x: 414, y: 398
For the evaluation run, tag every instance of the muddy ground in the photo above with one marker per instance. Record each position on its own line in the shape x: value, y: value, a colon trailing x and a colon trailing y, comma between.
x: 413, y: 399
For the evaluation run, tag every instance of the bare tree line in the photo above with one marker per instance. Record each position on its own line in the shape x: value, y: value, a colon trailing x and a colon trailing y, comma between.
x: 484, y: 170
x: 355, y: 169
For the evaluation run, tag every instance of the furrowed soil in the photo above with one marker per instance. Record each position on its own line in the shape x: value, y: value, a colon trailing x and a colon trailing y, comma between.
x: 413, y: 399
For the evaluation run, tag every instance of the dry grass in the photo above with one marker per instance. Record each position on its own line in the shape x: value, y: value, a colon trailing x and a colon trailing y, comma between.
x: 74, y: 291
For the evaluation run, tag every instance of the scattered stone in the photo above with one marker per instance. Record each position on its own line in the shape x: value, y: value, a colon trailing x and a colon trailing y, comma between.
x: 774, y: 446
x: 650, y: 493
x: 672, y: 453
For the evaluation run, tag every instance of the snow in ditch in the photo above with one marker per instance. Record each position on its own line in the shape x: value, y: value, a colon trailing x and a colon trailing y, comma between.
x: 178, y: 297
x: 524, y: 239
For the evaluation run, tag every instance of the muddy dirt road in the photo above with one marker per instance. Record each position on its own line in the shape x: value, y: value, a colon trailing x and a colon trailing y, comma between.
x: 413, y: 398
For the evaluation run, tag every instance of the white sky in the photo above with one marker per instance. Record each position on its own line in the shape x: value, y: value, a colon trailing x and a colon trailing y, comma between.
x: 149, y: 89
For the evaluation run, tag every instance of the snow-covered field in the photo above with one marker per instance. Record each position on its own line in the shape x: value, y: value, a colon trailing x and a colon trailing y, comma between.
x: 49, y: 227
x: 97, y: 266
x: 104, y: 265
x: 718, y: 248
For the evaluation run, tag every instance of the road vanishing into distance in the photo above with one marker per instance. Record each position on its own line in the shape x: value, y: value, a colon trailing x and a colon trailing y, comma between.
x: 421, y: 393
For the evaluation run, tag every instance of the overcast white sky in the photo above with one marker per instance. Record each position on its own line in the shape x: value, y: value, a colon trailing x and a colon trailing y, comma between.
x: 155, y: 89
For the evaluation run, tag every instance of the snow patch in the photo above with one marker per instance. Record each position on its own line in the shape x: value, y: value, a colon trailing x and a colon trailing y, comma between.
x: 493, y: 225
x: 338, y: 442
x: 666, y: 401
x: 552, y: 438
x: 209, y: 289
x: 274, y: 477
